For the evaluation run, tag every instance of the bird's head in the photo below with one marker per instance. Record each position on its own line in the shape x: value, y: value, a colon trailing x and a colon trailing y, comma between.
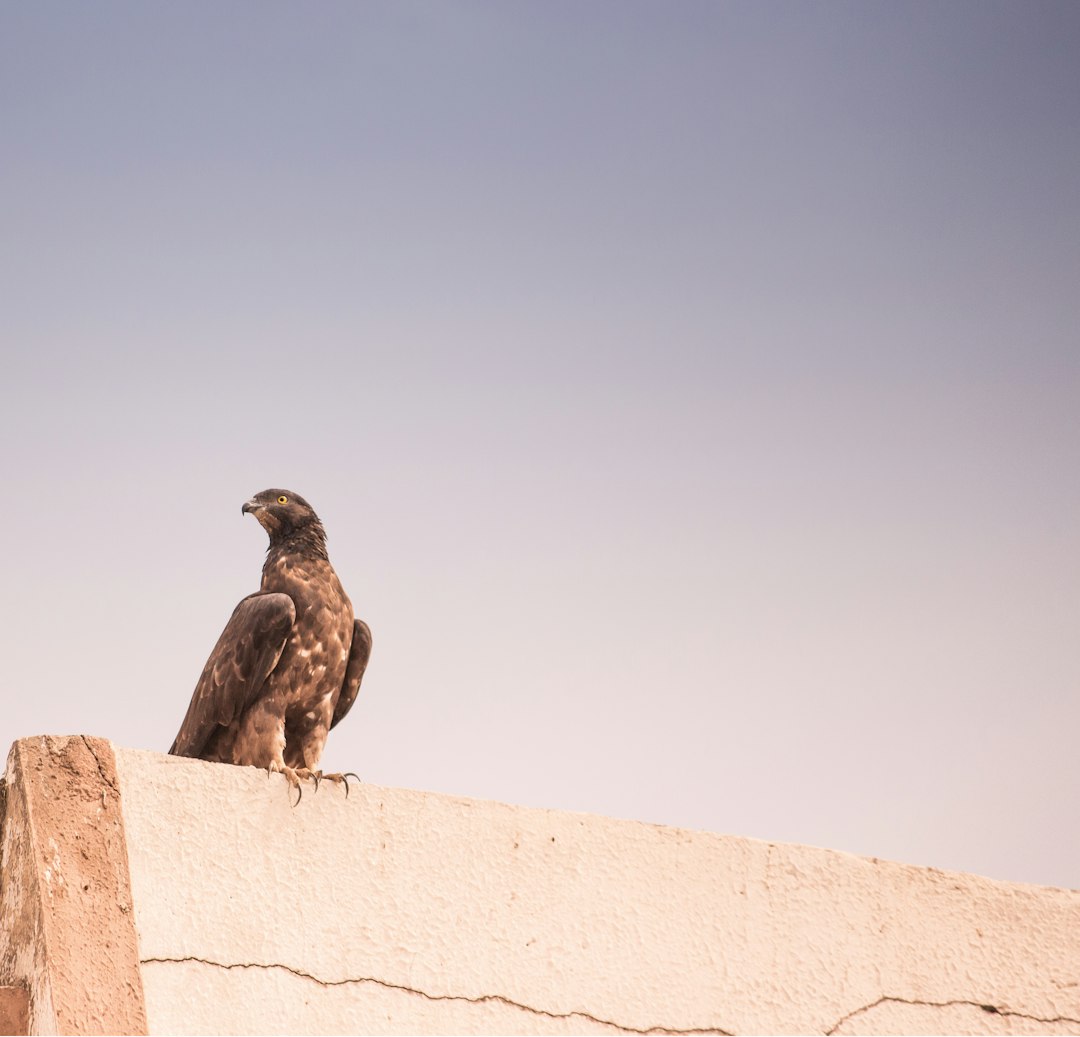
x: 283, y: 514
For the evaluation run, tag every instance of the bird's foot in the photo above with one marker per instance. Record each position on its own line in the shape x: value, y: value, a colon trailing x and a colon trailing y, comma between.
x: 291, y: 776
x: 337, y: 779
x: 309, y: 775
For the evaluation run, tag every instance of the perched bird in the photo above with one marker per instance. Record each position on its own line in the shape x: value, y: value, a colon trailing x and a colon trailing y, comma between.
x: 289, y: 662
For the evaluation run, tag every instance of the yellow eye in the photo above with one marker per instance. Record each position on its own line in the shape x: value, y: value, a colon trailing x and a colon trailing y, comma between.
x: 283, y: 499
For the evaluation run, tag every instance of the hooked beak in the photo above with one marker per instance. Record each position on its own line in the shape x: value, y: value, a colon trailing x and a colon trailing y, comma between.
x: 252, y: 506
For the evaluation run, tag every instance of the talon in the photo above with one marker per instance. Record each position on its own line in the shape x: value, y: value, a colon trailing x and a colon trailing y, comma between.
x: 303, y: 773
x: 341, y: 779
x: 291, y: 776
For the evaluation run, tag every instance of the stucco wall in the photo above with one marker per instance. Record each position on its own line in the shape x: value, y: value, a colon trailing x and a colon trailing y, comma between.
x: 394, y: 911
x: 65, y: 897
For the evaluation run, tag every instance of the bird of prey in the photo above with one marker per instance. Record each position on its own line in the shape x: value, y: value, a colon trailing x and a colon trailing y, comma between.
x: 288, y: 664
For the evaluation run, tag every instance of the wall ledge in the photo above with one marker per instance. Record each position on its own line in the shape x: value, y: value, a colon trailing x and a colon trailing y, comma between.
x: 144, y: 893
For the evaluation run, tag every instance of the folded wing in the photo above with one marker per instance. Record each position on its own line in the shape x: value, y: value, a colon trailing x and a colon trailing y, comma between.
x: 359, y: 653
x: 246, y: 653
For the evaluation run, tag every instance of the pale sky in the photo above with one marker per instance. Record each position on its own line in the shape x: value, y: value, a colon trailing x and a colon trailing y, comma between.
x: 691, y: 393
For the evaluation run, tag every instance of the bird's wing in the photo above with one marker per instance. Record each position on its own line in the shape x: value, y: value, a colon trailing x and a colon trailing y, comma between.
x: 244, y: 656
x: 359, y: 654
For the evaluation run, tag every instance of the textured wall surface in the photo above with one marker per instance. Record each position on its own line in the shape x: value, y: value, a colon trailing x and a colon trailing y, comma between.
x: 394, y: 911
x: 142, y: 892
x: 65, y: 909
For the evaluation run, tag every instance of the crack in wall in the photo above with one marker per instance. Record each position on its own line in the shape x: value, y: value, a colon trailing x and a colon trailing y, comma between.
x: 481, y: 999
x: 988, y: 1008
x: 101, y: 770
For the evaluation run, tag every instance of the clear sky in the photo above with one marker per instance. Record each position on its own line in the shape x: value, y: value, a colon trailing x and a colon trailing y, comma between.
x: 691, y: 393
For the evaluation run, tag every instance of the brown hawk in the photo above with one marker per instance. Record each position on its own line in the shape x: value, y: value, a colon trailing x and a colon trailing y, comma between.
x: 289, y: 662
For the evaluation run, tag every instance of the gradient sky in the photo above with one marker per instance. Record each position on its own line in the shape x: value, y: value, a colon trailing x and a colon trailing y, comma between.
x: 691, y: 393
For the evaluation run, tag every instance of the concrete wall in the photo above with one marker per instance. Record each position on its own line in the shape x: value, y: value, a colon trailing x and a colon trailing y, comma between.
x: 393, y: 911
